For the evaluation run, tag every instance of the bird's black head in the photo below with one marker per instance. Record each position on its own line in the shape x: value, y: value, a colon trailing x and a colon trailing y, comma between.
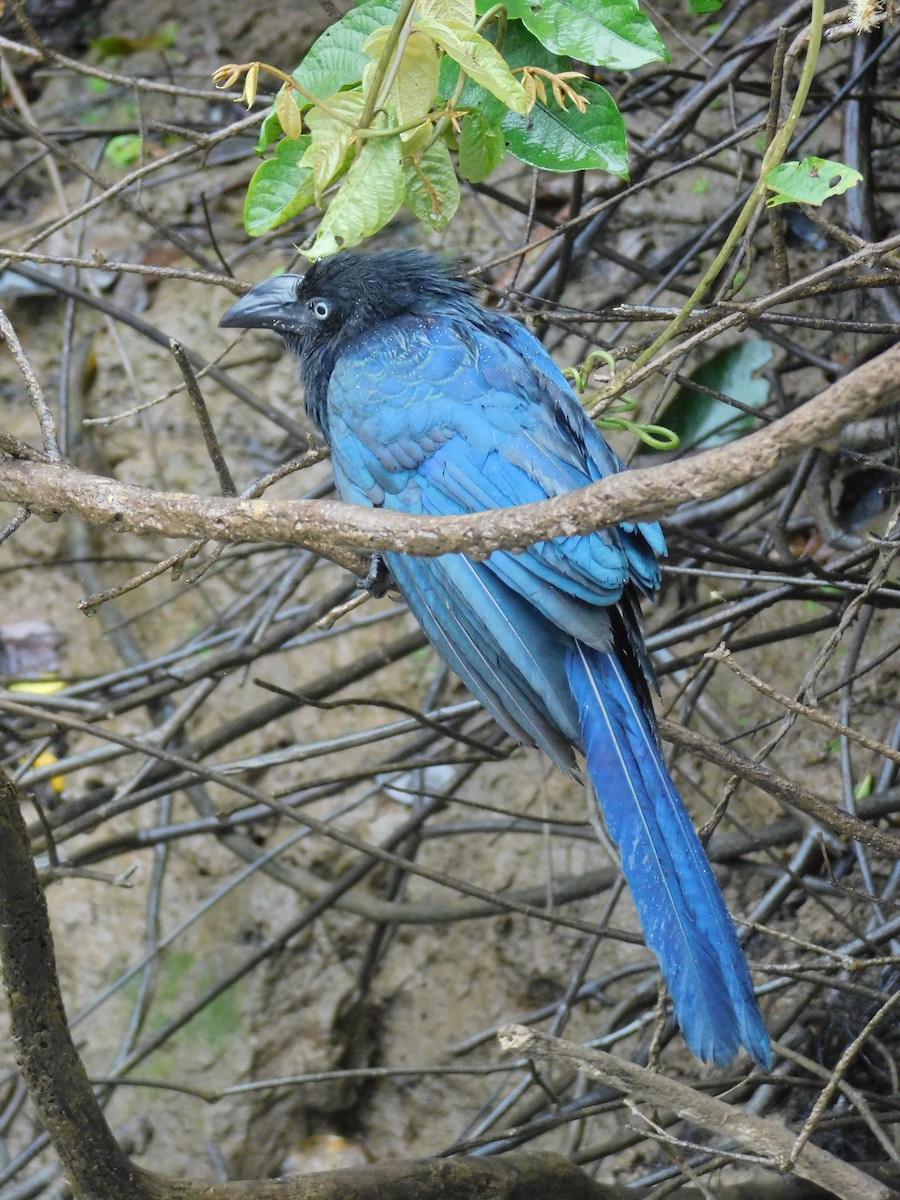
x: 339, y: 298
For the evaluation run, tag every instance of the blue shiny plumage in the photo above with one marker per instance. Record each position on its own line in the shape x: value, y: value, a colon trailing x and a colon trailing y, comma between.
x: 432, y: 404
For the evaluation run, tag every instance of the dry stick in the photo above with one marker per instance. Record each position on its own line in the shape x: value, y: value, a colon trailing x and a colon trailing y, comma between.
x: 33, y: 388
x: 723, y: 655
x: 827, y: 1093
x: 648, y: 1087
x: 325, y: 526
x: 95, y: 1165
x: 90, y: 604
x: 226, y: 482
x: 838, y: 820
x: 821, y: 282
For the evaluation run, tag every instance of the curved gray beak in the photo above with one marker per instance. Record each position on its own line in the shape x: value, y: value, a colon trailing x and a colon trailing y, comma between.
x: 269, y: 305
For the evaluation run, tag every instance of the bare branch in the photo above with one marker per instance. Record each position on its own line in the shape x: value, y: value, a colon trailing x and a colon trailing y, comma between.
x: 328, y: 526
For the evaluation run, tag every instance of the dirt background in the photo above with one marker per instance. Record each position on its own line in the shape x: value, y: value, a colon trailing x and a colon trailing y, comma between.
x: 412, y: 1001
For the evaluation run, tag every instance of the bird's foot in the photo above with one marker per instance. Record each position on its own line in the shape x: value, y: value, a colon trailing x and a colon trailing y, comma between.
x: 377, y: 581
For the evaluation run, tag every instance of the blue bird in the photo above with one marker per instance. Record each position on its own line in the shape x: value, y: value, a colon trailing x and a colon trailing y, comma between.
x: 432, y: 404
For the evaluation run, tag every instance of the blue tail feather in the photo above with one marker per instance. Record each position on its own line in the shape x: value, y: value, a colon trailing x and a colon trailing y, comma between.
x: 681, y: 909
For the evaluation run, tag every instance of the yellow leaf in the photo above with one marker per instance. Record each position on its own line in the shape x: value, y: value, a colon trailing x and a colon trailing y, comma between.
x: 288, y: 113
x: 37, y: 687
x: 368, y: 197
x: 250, y: 85
x: 414, y: 80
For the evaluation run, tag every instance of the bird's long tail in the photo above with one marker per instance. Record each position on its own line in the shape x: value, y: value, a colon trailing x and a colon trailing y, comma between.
x: 681, y: 909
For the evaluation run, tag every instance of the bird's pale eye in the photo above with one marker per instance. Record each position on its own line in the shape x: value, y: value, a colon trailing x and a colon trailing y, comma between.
x: 320, y: 309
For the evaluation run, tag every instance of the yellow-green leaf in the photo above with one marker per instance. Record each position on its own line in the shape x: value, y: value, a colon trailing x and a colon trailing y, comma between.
x: 288, y: 113
x: 432, y: 189
x: 332, y: 133
x: 414, y: 84
x: 370, y: 194
x: 441, y: 10
x: 251, y: 83
x: 478, y: 58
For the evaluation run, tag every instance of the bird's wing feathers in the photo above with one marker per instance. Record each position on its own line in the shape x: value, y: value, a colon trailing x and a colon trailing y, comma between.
x: 466, y: 426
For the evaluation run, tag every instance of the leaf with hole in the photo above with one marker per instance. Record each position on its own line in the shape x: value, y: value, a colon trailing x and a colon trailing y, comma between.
x: 811, y: 181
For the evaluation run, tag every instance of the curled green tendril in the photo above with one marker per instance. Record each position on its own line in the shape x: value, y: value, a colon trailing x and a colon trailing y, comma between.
x: 657, y: 437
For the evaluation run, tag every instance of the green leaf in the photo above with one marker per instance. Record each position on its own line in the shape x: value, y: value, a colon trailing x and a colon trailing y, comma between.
x: 700, y: 420
x: 370, y: 194
x: 336, y: 58
x: 548, y: 137
x: 812, y: 181
x: 864, y: 788
x: 568, y: 140
x: 432, y: 189
x: 478, y: 58
x: 123, y: 149
x: 330, y: 138
x: 270, y: 130
x: 120, y: 45
x: 608, y: 33
x: 705, y: 6
x: 481, y: 147
x: 415, y: 81
x: 280, y: 187
x: 520, y: 49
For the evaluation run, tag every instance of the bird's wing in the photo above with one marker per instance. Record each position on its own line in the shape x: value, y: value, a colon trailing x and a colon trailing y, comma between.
x: 446, y: 418
x: 443, y: 417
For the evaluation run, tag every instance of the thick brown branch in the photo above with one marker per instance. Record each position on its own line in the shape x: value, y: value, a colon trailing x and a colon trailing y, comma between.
x: 47, y: 1058
x: 795, y: 795
x: 330, y: 527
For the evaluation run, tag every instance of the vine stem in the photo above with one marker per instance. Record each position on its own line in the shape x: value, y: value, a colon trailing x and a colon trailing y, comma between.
x: 771, y: 158
x: 384, y: 62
